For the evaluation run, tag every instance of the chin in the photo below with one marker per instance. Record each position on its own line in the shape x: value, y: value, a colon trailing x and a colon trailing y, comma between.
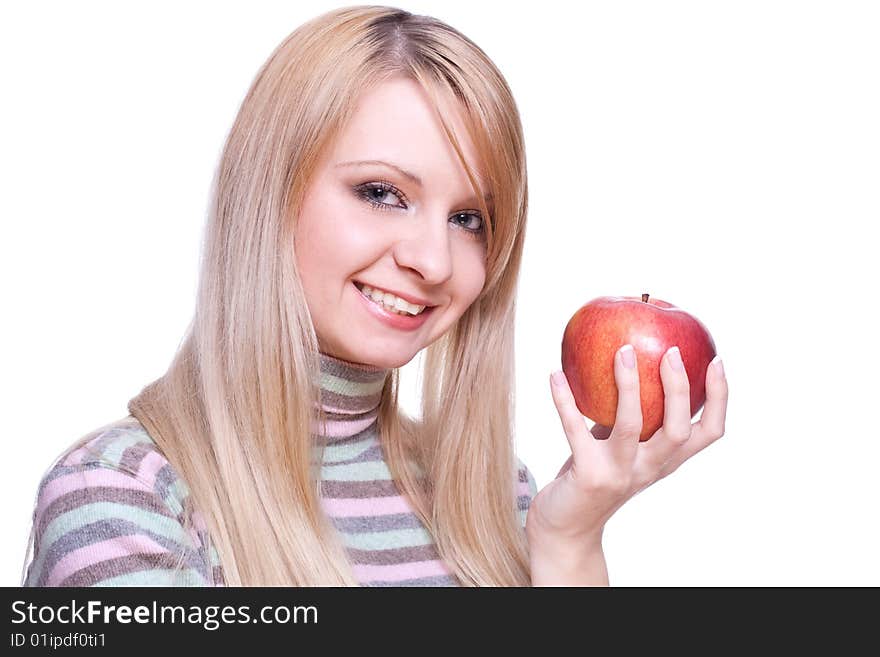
x: 374, y: 358
x: 386, y: 361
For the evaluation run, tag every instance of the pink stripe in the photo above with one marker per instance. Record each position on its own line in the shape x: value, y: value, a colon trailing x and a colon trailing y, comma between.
x: 371, y: 506
x: 150, y: 466
x: 400, y: 572
x: 523, y: 488
x: 77, y: 480
x: 120, y: 546
x: 340, y: 428
x: 198, y: 521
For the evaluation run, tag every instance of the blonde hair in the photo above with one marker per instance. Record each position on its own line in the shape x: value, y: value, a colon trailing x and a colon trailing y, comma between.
x: 234, y: 412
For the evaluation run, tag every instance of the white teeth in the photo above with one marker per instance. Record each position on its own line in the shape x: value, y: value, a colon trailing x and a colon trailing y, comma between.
x: 391, y: 302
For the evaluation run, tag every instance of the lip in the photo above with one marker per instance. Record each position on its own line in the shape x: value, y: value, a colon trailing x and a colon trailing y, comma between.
x: 402, y: 322
x: 418, y: 301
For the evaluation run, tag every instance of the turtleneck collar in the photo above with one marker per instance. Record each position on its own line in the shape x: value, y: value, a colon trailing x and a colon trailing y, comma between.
x: 350, y: 395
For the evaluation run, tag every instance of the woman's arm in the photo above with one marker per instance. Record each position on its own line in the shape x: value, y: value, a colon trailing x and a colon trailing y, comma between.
x: 580, y: 565
x: 98, y: 525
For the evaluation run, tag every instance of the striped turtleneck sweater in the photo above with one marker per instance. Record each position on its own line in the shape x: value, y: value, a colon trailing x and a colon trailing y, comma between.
x: 113, y: 512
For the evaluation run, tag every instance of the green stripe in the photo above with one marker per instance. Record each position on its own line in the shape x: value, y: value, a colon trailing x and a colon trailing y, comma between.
x: 175, y: 494
x: 398, y: 538
x: 346, y: 452
x: 89, y: 513
x: 156, y: 523
x: 342, y: 386
x: 112, y: 452
x: 156, y: 577
x: 368, y: 471
x: 334, y: 452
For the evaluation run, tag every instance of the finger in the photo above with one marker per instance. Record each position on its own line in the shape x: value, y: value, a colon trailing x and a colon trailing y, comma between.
x: 579, y: 438
x: 676, y: 429
x: 711, y: 425
x: 624, y: 438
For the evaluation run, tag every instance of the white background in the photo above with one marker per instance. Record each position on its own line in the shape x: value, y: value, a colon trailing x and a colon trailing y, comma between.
x: 724, y: 157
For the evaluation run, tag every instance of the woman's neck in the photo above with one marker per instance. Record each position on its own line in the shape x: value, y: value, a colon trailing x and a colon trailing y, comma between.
x: 350, y: 396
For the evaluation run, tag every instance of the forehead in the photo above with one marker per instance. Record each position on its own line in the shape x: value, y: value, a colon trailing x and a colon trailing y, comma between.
x: 395, y: 121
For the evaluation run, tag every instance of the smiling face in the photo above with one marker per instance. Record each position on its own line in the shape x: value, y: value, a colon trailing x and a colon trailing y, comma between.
x: 417, y: 232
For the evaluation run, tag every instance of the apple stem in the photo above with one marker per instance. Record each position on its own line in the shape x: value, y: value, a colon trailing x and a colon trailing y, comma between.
x: 645, y: 297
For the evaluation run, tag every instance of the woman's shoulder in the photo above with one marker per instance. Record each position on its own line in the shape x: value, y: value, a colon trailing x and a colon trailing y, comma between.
x: 108, y: 444
x: 110, y: 511
x: 125, y: 447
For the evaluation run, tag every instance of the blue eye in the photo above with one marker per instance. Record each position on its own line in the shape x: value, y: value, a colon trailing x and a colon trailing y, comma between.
x: 474, y: 216
x: 374, y: 193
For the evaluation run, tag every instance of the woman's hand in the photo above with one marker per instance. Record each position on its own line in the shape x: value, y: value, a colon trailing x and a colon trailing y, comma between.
x: 608, y: 466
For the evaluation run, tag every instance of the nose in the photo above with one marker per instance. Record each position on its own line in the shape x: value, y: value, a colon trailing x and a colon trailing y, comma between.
x: 427, y: 249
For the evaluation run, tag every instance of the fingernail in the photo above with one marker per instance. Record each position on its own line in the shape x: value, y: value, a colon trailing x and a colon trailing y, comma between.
x: 718, y: 365
x: 557, y: 377
x: 674, y: 357
x: 628, y: 356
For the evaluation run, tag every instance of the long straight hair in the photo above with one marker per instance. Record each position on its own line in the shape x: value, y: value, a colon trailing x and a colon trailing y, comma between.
x: 235, y: 412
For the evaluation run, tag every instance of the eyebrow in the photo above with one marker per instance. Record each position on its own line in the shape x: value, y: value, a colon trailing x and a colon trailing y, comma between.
x: 409, y: 175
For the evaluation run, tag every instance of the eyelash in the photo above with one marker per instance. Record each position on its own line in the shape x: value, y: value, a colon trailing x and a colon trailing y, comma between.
x: 364, y: 189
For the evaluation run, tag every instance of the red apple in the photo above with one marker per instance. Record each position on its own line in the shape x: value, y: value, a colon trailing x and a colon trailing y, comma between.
x: 602, y: 326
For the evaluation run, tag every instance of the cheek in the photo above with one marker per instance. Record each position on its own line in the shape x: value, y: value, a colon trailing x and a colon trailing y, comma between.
x: 325, y: 233
x: 470, y: 276
x: 315, y: 238
x: 319, y: 223
x: 470, y: 273
x: 334, y: 242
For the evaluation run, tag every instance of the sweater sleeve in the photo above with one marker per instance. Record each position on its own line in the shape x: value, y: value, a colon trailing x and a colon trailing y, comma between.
x: 527, y: 488
x: 96, y: 524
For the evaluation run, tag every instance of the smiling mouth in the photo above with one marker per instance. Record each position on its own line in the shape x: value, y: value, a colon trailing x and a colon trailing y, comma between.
x: 406, y: 311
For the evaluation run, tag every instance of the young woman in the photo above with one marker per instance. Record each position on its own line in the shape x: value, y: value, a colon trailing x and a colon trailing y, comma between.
x: 370, y: 204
